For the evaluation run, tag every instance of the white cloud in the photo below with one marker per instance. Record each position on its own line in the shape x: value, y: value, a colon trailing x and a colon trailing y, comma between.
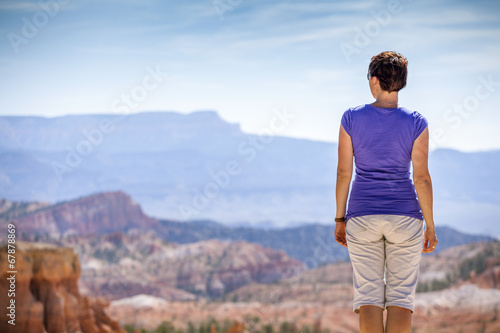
x: 19, y: 5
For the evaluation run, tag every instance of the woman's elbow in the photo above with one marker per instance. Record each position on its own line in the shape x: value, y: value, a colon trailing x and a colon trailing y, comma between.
x: 344, y: 173
x: 423, y: 179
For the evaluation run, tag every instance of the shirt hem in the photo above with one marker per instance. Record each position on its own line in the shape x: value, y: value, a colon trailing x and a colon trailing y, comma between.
x: 417, y: 216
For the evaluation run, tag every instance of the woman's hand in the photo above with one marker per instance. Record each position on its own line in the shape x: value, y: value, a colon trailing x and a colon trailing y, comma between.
x: 430, y: 240
x: 340, y: 233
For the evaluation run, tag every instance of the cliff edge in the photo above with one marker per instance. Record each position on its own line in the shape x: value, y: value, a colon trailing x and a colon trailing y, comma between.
x: 43, y: 297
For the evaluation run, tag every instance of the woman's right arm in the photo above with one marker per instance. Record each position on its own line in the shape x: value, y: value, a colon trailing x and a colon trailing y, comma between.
x: 423, y: 186
x: 344, y: 175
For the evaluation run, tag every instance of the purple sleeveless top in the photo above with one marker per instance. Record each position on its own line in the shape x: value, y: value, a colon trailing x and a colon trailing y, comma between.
x: 382, y: 140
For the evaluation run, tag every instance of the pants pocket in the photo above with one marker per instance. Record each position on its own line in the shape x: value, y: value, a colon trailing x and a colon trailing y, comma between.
x: 355, y: 226
x: 409, y: 229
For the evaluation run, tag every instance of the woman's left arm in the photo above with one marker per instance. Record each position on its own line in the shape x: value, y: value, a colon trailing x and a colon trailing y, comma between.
x: 344, y: 174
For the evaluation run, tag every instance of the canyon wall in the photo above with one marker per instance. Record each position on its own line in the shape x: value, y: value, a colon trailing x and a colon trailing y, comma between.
x: 46, y: 295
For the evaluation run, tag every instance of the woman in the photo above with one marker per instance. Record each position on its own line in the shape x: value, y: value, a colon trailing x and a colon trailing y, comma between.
x: 383, y: 227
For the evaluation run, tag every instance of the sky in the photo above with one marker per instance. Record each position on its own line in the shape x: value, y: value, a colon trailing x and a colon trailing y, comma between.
x: 249, y: 59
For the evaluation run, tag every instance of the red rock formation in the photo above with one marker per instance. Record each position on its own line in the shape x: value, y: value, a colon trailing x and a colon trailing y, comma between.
x: 99, y: 213
x: 46, y: 293
x: 123, y: 265
x: 213, y: 267
x: 489, y: 278
x: 243, y: 262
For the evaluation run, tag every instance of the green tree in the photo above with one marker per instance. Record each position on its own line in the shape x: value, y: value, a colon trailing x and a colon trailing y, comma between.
x: 268, y: 328
x: 165, y: 327
x: 129, y: 328
x: 191, y: 328
x: 285, y: 327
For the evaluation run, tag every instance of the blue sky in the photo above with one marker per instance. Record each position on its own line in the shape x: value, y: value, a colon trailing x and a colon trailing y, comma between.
x: 247, y: 58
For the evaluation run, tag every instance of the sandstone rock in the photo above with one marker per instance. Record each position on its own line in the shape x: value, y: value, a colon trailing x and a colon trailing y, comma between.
x: 46, y: 293
x: 144, y: 264
x: 489, y: 278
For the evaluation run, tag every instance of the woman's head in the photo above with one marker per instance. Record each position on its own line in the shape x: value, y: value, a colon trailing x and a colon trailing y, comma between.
x: 391, y: 70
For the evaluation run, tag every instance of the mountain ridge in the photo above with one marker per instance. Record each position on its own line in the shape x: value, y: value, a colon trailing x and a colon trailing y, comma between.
x: 104, y: 213
x: 167, y: 165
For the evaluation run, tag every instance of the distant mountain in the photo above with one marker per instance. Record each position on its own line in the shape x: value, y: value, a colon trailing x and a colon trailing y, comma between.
x: 198, y: 166
x: 95, y: 214
x: 139, y: 133
x: 12, y: 210
x: 104, y: 213
x: 313, y: 244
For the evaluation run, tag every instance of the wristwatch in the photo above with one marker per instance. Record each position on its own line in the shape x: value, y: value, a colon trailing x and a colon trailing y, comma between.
x: 340, y: 219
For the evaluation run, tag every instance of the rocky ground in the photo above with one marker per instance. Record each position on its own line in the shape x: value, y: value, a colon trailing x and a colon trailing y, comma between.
x: 464, y: 309
x: 464, y: 297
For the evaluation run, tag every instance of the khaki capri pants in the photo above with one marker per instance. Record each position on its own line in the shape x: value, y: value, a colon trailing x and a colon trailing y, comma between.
x: 385, y: 252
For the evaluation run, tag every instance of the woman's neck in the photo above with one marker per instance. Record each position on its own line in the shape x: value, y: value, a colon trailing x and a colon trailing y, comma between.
x: 386, y: 100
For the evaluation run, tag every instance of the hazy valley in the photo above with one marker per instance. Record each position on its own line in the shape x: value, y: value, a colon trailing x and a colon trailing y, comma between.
x: 135, y: 262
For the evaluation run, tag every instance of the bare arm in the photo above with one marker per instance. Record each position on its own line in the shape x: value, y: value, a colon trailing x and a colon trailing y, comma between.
x: 423, y: 187
x: 344, y: 174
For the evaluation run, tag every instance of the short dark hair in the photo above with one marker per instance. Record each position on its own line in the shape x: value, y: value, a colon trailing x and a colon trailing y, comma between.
x: 391, y: 70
